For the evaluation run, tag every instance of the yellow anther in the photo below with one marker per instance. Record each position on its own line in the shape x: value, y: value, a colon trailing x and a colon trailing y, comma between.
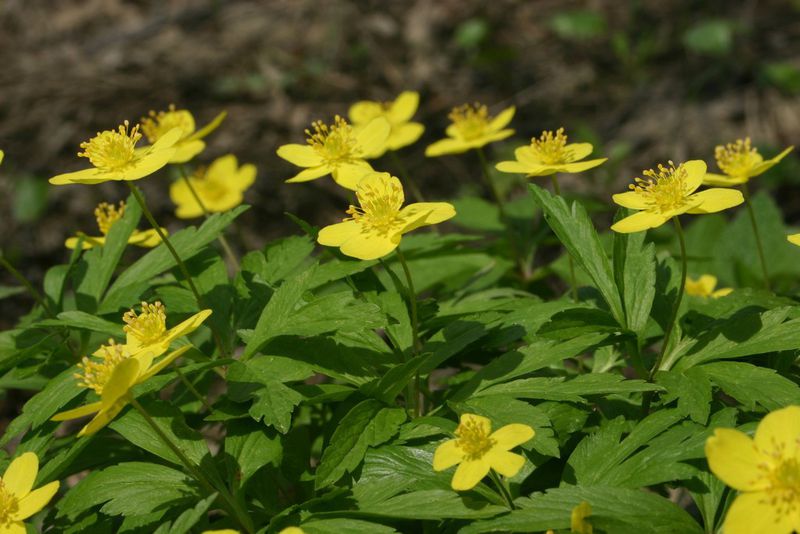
x: 107, y: 214
x: 379, y: 208
x: 550, y: 148
x: 664, y: 188
x: 473, y: 438
x: 149, y: 325
x: 157, y: 124
x: 471, y: 120
x: 112, y: 150
x: 736, y: 159
x: 9, y: 505
x: 335, y: 143
x: 96, y: 372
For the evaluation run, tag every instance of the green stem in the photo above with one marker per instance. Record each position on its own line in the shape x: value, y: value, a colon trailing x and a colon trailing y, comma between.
x: 226, y: 247
x: 505, y: 493
x: 230, y: 503
x: 411, y: 295
x: 27, y: 285
x: 181, y: 266
x: 572, y: 280
x: 675, y: 310
x: 192, y: 389
x: 405, y: 177
x: 759, y: 246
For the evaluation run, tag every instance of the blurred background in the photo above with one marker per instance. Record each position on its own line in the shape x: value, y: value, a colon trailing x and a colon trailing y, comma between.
x: 645, y: 81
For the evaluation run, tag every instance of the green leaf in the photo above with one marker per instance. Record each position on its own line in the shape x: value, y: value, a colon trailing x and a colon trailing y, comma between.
x: 692, y: 389
x: 574, y: 229
x: 635, y: 274
x: 189, y: 518
x: 475, y: 213
x: 711, y: 37
x: 367, y: 424
x: 284, y: 257
x: 751, y: 385
x: 251, y: 446
x: 578, y: 24
x: 338, y: 526
x: 573, y: 390
x: 84, y: 321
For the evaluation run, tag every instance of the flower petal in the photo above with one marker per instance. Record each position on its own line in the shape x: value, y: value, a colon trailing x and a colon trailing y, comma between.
x: 186, y: 327
x: 578, y: 151
x: 581, y: 166
x: 794, y: 239
x: 526, y: 155
x: 502, y: 119
x: 80, y: 411
x: 755, y: 512
x: 122, y: 378
x: 186, y: 150
x: 723, y: 180
x: 779, y: 432
x: 88, y: 242
x: 491, y: 138
x: 35, y: 500
x: 734, y: 458
x: 309, y: 174
x: 104, y: 416
x: 348, y: 175
x: 17, y: 527
x: 513, y: 167
x: 300, y: 155
x: 404, y: 135
x: 85, y: 176
x: 764, y: 166
x: 630, y: 199
x: 510, y: 436
x: 403, y: 107
x: 506, y: 463
x: 335, y: 235
x: 162, y: 363
x: 469, y: 474
x: 472, y: 419
x: 695, y: 171
x: 21, y: 473
x: 447, y: 455
x: 426, y: 213
x: 638, y: 222
x: 244, y: 177
x: 148, y: 164
x: 364, y: 111
x: 716, y: 199
x: 444, y: 147
x: 370, y: 245
x: 146, y: 238
x: 210, y: 127
x: 372, y: 137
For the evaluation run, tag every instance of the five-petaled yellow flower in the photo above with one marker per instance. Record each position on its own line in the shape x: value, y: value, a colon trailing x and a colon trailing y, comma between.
x: 398, y: 112
x: 220, y: 187
x: 668, y: 191
x: 190, y: 143
x: 472, y: 127
x: 18, y: 499
x: 578, y: 523
x: 147, y: 331
x: 114, y: 156
x: 739, y: 162
x: 375, y: 228
x: 107, y: 215
x: 549, y: 154
x: 766, y: 472
x: 705, y: 287
x: 477, y: 450
x: 339, y: 150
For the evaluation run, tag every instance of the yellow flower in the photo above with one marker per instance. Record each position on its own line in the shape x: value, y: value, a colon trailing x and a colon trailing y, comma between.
x: 220, y: 187
x: 156, y: 125
x: 765, y: 470
x: 111, y: 374
x: 292, y: 530
x: 18, y: 499
x: 221, y: 531
x: 398, y: 112
x: 472, y: 127
x: 148, y: 332
x: 577, y: 522
x: 338, y: 150
x: 704, y: 287
x: 375, y: 228
x: 794, y: 239
x: 114, y: 156
x: 739, y: 162
x: 106, y: 215
x: 669, y: 191
x: 477, y: 449
x: 550, y: 154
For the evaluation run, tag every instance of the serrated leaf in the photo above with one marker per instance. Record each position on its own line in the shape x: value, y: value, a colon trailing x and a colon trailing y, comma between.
x: 635, y: 274
x: 251, y: 447
x: 573, y: 390
x: 751, y: 385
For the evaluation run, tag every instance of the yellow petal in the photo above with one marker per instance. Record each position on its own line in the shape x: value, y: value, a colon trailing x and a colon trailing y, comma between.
x: 447, y: 146
x: 733, y: 458
x: 85, y: 176
x: 228, y: 200
x: 88, y: 242
x: 638, y: 222
x: 309, y: 174
x: 122, y: 378
x: 426, y: 213
x: 186, y: 150
x: 336, y: 234
x: 491, y: 138
x: 147, y: 238
x: 719, y: 293
x: 469, y: 473
x: 80, y: 411
x: 526, y: 155
x: 578, y: 151
x: 148, y: 164
x: 502, y: 119
x: 716, y: 199
x: 36, y: 500
x: 708, y: 282
x: 104, y: 416
x: 21, y: 473
x: 764, y: 166
x: 163, y: 363
x: 506, y: 463
x: 364, y: 111
x: 370, y: 245
x: 794, y: 239
x: 513, y: 167
x: 210, y: 127
x: 780, y: 431
x: 186, y: 327
x: 510, y: 436
x: 757, y: 512
x: 16, y: 527
x: 581, y: 166
x: 447, y: 455
x: 472, y: 419
x: 372, y: 137
x: 348, y: 175
x: 244, y: 177
x: 403, y: 107
x: 695, y: 171
x: 404, y: 135
x: 723, y: 180
x: 300, y: 155
x: 630, y: 199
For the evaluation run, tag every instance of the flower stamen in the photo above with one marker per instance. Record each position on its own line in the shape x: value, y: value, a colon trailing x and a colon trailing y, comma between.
x: 108, y: 214
x: 550, y: 148
x: 474, y: 439
x: 112, y: 150
x: 664, y: 188
x: 471, y: 120
x: 149, y: 325
x: 335, y: 143
x: 736, y: 159
x: 9, y: 505
x: 379, y: 208
x: 95, y: 373
x: 157, y: 124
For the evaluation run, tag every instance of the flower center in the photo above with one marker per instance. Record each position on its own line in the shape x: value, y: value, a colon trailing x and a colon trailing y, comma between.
x: 147, y: 327
x: 95, y: 373
x: 157, y: 124
x: 784, y: 491
x: 335, y: 143
x: 379, y: 207
x: 474, y: 439
x: 736, y: 159
x: 664, y: 188
x: 9, y: 505
x: 471, y: 120
x: 112, y: 150
x: 107, y: 214
x: 551, y: 148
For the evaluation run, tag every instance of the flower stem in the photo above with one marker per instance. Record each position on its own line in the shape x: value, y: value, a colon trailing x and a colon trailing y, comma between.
x: 226, y: 247
x: 502, y: 489
x: 759, y: 246
x: 27, y: 285
x: 681, y: 289
x: 230, y: 503
x: 405, y: 177
x: 192, y: 389
x: 182, y: 266
x: 411, y: 295
x: 572, y: 280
